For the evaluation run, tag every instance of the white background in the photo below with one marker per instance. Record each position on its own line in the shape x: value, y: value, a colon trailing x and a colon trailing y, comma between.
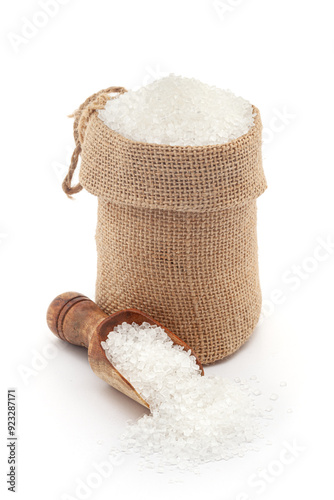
x: 278, y: 55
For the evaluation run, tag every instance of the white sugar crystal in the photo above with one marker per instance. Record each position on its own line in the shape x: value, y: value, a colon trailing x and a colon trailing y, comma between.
x: 274, y: 397
x: 194, y: 419
x: 179, y: 112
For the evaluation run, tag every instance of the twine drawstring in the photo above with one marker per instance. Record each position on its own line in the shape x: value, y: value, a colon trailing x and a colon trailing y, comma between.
x: 81, y: 118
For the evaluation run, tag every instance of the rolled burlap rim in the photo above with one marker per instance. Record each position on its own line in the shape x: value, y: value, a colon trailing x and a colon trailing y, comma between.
x: 192, y: 178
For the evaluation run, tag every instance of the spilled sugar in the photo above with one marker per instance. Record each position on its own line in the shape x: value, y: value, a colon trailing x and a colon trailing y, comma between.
x: 194, y: 418
x: 179, y: 112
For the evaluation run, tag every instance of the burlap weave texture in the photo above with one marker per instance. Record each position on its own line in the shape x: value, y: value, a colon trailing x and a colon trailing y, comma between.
x: 176, y: 233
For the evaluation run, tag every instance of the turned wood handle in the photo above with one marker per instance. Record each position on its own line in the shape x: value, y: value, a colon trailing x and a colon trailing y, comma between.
x: 74, y: 318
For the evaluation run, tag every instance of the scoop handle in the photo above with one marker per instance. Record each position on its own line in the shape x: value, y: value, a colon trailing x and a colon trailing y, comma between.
x: 73, y: 317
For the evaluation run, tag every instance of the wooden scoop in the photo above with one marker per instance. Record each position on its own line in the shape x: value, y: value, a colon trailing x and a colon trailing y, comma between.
x: 78, y: 320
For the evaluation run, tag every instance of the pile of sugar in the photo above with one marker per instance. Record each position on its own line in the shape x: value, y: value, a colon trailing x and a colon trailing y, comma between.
x: 179, y: 112
x: 194, y: 418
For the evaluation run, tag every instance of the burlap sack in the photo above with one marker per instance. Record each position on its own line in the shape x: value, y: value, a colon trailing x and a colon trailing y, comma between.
x: 176, y: 232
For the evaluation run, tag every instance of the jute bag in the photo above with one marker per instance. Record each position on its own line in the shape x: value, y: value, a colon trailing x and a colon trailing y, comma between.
x: 176, y: 231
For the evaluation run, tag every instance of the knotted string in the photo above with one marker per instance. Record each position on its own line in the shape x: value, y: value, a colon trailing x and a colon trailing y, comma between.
x: 81, y: 118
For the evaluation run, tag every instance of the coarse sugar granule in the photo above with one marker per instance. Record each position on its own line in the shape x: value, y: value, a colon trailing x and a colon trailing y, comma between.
x: 180, y: 112
x: 194, y: 418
